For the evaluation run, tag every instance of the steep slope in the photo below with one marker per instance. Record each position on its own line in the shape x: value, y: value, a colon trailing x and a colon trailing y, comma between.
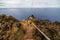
x: 12, y: 29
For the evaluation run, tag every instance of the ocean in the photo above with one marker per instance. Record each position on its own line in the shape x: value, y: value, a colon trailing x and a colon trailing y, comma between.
x: 52, y: 14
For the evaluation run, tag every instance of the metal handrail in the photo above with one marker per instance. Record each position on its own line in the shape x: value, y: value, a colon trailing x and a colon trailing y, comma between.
x: 41, y: 32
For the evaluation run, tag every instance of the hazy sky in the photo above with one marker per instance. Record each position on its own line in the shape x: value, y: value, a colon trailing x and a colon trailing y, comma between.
x: 29, y: 3
x: 50, y: 8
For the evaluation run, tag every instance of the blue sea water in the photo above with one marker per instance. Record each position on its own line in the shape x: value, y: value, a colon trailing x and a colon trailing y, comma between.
x: 52, y: 14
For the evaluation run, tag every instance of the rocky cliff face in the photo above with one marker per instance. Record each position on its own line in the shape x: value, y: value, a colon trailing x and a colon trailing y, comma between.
x: 12, y: 29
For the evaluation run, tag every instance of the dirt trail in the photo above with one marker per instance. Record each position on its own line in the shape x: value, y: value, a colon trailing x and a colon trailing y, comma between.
x: 29, y: 29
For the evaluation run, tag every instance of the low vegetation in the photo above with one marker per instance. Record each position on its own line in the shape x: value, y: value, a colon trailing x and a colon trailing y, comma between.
x: 13, y: 29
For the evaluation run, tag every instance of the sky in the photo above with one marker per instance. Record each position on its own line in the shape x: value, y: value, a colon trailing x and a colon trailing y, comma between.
x: 20, y: 9
x: 29, y: 3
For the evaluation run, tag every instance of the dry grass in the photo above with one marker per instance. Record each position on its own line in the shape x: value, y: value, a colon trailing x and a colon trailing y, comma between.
x: 12, y: 29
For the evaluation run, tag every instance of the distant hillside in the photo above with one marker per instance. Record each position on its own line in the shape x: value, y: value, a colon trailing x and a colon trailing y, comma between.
x: 13, y: 29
